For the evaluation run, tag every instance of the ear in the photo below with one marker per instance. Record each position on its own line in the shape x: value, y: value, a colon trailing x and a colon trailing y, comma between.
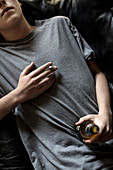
x: 20, y: 3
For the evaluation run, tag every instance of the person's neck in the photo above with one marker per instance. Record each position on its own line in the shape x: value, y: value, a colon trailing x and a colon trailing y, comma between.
x: 18, y: 32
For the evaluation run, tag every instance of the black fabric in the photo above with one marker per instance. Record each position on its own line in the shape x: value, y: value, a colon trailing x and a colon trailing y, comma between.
x: 13, y: 155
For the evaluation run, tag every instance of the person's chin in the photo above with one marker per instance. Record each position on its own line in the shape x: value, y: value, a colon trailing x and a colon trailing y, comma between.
x: 12, y: 20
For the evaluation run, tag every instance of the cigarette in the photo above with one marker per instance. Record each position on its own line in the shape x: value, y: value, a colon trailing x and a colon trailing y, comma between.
x: 51, y: 67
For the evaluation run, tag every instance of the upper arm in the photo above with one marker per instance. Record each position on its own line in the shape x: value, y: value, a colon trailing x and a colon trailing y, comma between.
x: 93, y: 67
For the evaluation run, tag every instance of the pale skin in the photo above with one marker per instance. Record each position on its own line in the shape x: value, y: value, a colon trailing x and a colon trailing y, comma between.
x: 104, y: 118
x: 13, y: 26
x: 30, y: 85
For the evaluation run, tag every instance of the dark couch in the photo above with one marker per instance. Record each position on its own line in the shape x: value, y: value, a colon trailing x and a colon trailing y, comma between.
x: 94, y: 20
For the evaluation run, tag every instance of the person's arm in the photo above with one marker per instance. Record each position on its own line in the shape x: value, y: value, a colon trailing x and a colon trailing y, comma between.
x: 104, y: 118
x: 30, y: 85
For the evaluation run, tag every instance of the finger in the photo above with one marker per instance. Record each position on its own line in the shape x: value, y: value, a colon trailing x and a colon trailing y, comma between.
x: 27, y: 69
x: 40, y: 69
x: 105, y: 138
x: 45, y: 81
x: 94, y: 139
x: 105, y: 134
x: 109, y: 138
x: 99, y: 138
x: 46, y: 73
x: 84, y: 119
x: 48, y: 85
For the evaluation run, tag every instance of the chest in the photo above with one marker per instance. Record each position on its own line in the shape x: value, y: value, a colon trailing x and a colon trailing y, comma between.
x: 72, y: 68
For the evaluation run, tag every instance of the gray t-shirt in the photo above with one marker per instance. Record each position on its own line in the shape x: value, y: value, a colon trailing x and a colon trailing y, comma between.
x: 46, y: 123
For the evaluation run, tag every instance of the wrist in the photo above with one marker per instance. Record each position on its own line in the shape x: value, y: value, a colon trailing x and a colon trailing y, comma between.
x: 17, y: 97
x: 104, y: 111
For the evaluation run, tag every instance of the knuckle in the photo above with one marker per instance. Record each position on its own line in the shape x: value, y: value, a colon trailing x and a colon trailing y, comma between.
x: 22, y: 73
x: 33, y: 81
x: 29, y: 76
x: 26, y: 67
x: 82, y: 119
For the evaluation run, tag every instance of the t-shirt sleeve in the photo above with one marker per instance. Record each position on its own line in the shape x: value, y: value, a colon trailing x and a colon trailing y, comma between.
x: 86, y: 50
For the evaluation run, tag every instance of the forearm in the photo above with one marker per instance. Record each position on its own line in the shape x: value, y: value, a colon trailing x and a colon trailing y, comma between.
x: 104, y: 118
x: 102, y: 93
x: 7, y: 103
x: 102, y: 89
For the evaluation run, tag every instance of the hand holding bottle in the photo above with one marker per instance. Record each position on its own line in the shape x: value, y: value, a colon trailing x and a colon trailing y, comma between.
x: 103, y: 122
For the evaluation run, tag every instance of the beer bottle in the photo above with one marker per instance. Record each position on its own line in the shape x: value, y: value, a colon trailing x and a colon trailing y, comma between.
x: 87, y: 130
